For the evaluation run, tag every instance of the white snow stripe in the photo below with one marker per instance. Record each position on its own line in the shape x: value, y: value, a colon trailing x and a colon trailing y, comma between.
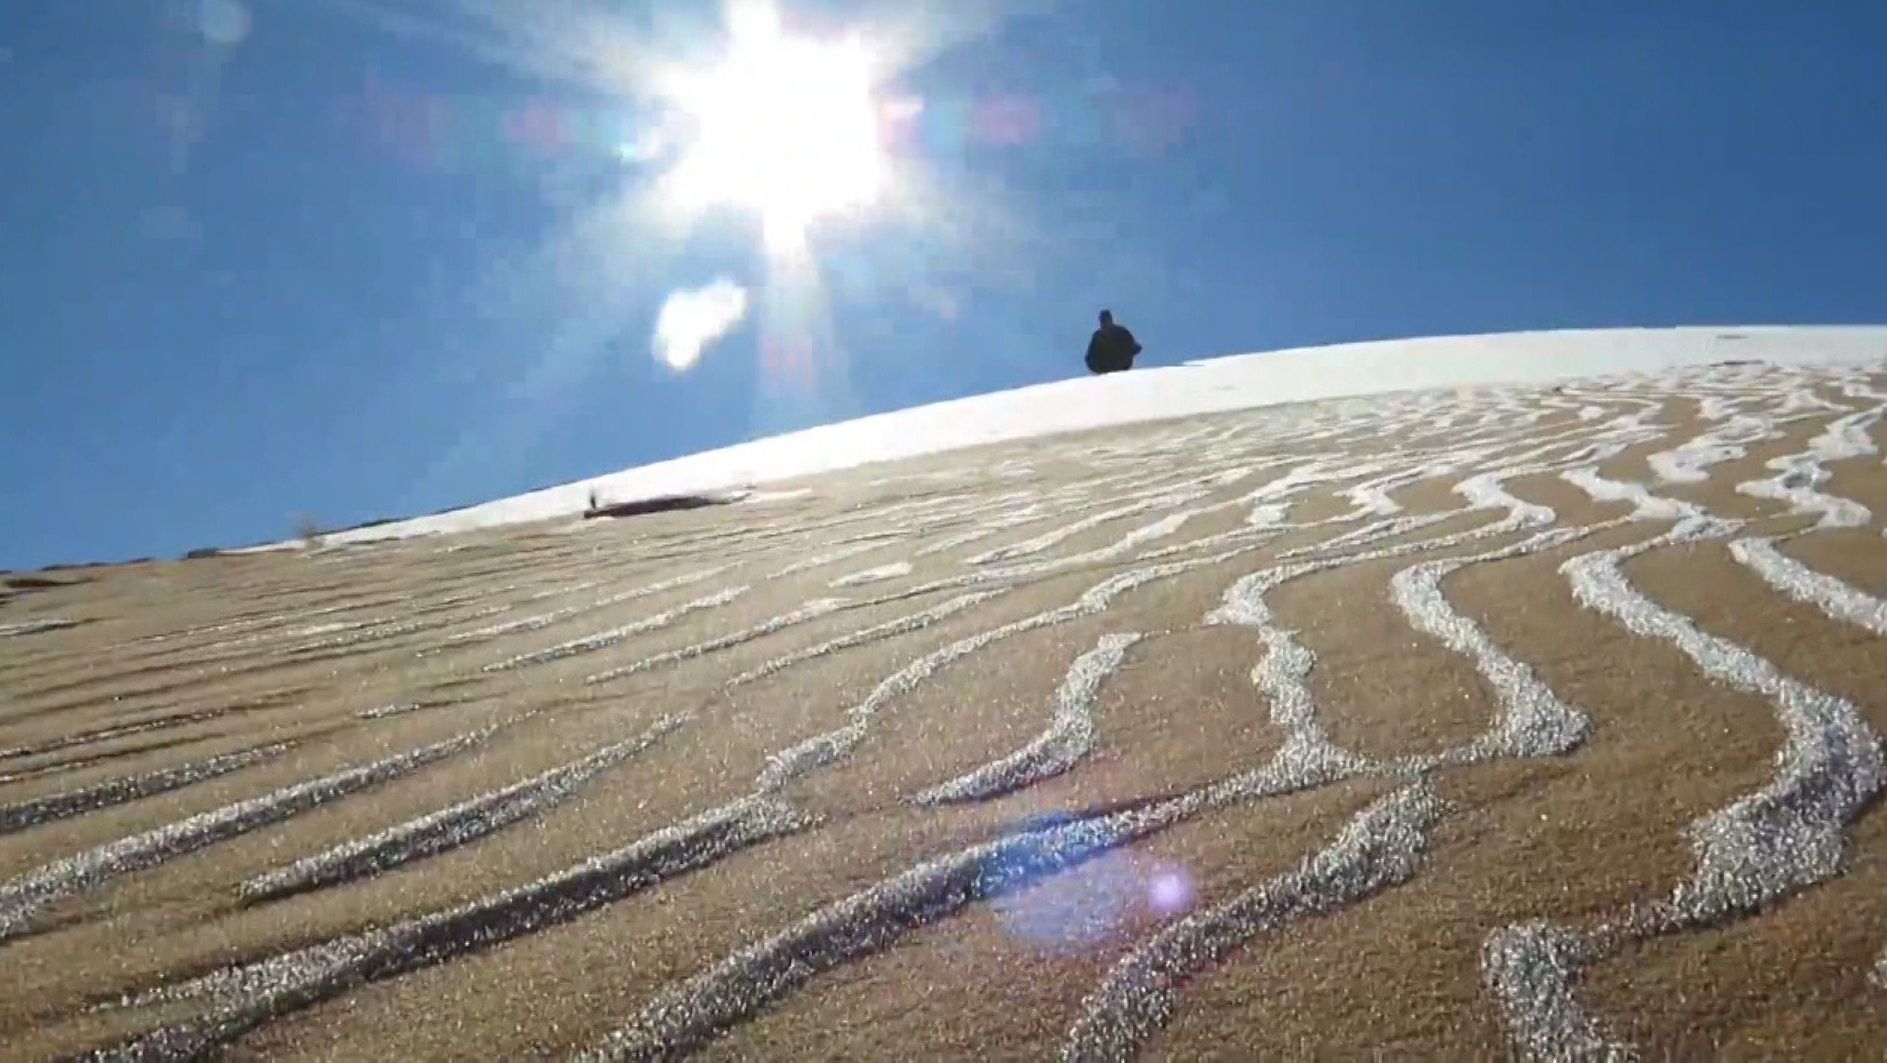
x: 450, y: 827
x: 1835, y: 598
x: 1788, y: 835
x: 1069, y: 737
x: 812, y: 610
x: 889, y: 629
x: 24, y: 898
x: 1378, y: 849
x: 606, y: 639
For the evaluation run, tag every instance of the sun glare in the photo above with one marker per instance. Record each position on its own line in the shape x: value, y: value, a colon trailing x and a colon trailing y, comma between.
x: 784, y: 126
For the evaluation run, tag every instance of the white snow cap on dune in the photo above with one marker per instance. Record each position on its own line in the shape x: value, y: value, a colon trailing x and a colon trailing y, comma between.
x: 1217, y: 385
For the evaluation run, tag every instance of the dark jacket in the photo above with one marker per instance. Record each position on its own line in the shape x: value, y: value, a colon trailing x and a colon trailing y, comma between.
x: 1112, y: 349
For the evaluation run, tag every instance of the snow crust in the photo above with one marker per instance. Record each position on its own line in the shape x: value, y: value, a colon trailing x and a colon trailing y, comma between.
x: 1210, y: 386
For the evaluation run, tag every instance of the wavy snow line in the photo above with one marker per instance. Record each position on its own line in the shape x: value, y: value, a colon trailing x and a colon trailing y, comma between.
x: 421, y: 618
x: 1720, y: 407
x: 418, y: 615
x: 36, y: 627
x: 1530, y: 967
x: 1688, y: 462
x: 349, y: 643
x: 982, y: 531
x: 397, y: 708
x: 921, y: 508
x: 1307, y: 756
x: 1374, y: 532
x: 544, y: 620
x: 876, y: 535
x: 605, y: 639
x: 1094, y: 520
x: 235, y: 624
x: 1227, y: 476
x: 1849, y: 436
x: 686, y: 1016
x: 568, y: 588
x: 1289, y: 484
x: 248, y: 996
x: 1378, y: 849
x: 1787, y: 836
x: 1801, y: 399
x: 1268, y: 504
x: 1121, y: 547
x: 1799, y: 475
x: 115, y: 731
x: 1835, y: 598
x: 812, y: 610
x: 1645, y: 505
x: 1483, y: 490
x: 23, y: 814
x: 830, y: 557
x: 22, y: 899
x: 824, y: 749
x: 1069, y: 737
x: 265, y: 620
x: 874, y: 575
x: 1484, y: 495
x: 902, y: 625
x: 451, y: 827
x: 920, y: 526
x: 1371, y: 498
x: 1488, y: 490
x: 1533, y: 721
x: 86, y: 760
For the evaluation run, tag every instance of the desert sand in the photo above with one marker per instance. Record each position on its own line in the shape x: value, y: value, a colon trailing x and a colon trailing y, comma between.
x: 1531, y: 720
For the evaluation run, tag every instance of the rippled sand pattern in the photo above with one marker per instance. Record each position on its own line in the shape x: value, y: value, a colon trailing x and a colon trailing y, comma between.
x: 1512, y: 721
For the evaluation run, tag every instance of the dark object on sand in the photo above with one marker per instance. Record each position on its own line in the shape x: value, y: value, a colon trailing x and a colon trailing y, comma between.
x: 661, y: 504
x: 27, y: 582
x: 1113, y: 347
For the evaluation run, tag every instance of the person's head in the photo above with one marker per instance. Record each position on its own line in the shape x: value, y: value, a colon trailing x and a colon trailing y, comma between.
x: 1107, y: 317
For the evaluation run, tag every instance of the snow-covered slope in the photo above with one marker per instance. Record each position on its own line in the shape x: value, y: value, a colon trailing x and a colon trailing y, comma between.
x: 1236, y: 382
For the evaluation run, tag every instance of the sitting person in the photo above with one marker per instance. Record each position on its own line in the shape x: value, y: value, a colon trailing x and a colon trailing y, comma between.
x: 1113, y: 347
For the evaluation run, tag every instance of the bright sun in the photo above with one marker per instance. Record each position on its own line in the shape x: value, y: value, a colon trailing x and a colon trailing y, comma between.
x: 785, y: 126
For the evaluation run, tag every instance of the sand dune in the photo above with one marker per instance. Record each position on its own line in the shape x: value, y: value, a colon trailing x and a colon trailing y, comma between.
x: 1468, y: 723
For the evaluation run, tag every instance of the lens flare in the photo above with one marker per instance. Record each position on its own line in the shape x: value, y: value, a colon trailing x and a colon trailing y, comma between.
x: 1096, y: 902
x: 693, y: 319
x: 1170, y: 891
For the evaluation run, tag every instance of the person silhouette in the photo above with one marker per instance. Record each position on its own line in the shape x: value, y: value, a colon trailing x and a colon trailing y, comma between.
x: 1113, y: 347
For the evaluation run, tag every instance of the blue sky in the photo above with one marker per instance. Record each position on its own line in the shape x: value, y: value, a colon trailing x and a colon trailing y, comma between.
x: 362, y: 259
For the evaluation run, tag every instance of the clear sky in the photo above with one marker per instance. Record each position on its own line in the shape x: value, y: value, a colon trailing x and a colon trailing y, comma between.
x: 353, y: 259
